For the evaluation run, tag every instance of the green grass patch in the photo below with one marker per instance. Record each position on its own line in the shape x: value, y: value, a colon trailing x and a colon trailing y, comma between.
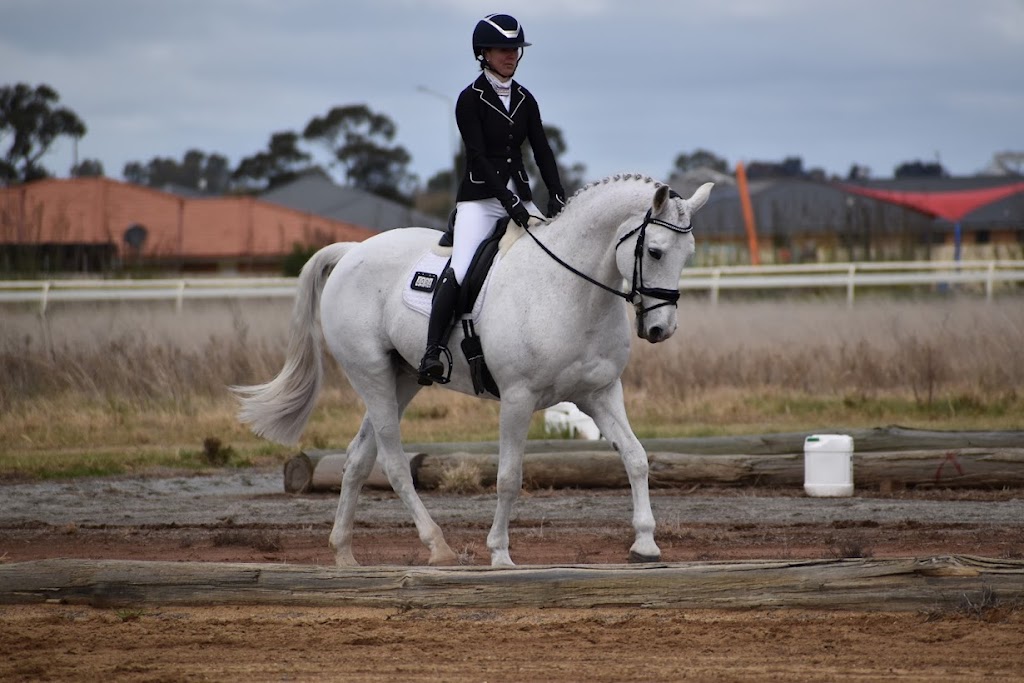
x: 105, y: 461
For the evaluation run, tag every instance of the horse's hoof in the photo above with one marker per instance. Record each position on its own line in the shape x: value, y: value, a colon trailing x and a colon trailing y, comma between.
x: 502, y: 559
x: 342, y: 560
x: 637, y: 558
x: 449, y: 559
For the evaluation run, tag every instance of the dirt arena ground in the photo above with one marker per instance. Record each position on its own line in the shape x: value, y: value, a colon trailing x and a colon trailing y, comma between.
x: 243, y: 516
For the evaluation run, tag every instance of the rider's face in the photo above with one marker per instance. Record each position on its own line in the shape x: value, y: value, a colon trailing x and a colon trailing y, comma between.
x: 503, y: 60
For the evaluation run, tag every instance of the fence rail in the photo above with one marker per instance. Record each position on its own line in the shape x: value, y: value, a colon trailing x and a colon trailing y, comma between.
x: 851, y: 276
x: 854, y: 275
x: 45, y: 292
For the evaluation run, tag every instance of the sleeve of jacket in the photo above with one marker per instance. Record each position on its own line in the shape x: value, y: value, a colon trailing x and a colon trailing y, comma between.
x: 467, y: 116
x: 542, y: 153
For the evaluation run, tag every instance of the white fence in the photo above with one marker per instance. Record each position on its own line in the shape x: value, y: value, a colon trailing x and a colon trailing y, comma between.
x: 45, y: 292
x: 985, y: 275
x: 851, y: 276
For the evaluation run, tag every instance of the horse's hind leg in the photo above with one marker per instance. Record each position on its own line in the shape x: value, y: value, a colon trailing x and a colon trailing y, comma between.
x: 361, y: 455
x: 609, y: 413
x: 386, y: 393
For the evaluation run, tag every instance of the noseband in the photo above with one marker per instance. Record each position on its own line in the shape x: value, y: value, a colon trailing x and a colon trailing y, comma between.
x: 637, y: 288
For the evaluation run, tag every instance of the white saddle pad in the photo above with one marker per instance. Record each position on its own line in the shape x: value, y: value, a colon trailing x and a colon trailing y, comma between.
x: 425, y: 273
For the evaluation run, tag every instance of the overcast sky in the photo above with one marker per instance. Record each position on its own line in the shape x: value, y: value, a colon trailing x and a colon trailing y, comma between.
x: 631, y: 84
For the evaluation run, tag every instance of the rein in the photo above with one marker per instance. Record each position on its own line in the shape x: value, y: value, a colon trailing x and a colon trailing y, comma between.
x: 637, y: 288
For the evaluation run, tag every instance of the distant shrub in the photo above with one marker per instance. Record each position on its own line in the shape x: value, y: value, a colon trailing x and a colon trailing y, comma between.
x: 294, y: 261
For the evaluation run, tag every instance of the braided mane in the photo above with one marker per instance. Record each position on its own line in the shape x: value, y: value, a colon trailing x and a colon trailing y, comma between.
x: 618, y: 177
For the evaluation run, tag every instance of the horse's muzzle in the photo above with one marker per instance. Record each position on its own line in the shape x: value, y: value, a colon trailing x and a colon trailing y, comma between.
x: 653, y: 334
x: 656, y: 333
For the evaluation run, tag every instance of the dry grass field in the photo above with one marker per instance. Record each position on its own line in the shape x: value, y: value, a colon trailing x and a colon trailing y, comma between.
x: 123, y: 387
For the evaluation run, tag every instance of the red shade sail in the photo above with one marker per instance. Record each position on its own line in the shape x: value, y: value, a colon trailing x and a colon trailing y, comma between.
x: 952, y: 205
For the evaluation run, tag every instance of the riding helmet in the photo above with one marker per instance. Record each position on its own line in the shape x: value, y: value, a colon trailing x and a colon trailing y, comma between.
x: 497, y: 30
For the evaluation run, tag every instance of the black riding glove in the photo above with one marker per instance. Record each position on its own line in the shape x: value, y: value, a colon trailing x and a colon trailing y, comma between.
x: 520, y: 215
x: 555, y: 205
x: 514, y: 207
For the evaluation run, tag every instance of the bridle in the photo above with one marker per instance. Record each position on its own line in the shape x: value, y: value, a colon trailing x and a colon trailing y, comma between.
x: 638, y: 289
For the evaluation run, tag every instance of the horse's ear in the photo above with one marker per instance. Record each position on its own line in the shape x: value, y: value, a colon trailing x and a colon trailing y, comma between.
x: 700, y: 197
x: 661, y: 196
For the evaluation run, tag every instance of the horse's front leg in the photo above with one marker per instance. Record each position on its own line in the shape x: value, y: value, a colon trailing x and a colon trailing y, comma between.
x: 515, y: 424
x: 609, y: 413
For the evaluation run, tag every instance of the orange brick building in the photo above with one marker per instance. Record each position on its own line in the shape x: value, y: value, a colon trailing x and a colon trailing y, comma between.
x: 95, y: 224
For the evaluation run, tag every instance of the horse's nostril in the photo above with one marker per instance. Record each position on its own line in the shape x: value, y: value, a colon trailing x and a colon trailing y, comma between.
x: 654, y: 334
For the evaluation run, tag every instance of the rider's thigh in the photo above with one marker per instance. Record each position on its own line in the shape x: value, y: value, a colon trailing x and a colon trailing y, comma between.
x: 474, y: 222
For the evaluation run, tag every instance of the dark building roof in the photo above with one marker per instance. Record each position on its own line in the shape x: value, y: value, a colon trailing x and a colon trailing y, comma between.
x: 951, y: 205
x: 1008, y: 208
x: 316, y: 194
x: 787, y: 206
x: 934, y: 184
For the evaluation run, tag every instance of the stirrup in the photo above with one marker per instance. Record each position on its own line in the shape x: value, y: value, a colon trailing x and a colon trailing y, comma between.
x: 432, y: 369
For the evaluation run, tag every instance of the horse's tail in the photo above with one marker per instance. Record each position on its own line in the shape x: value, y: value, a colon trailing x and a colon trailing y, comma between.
x: 279, y: 409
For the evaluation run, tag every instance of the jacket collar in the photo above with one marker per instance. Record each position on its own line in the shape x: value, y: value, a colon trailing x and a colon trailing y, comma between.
x: 490, y: 98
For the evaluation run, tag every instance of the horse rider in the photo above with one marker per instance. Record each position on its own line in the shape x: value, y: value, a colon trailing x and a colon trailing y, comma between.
x: 495, y: 115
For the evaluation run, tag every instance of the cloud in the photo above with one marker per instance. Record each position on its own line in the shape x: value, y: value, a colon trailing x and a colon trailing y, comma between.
x: 1003, y: 19
x: 560, y: 9
x: 630, y: 84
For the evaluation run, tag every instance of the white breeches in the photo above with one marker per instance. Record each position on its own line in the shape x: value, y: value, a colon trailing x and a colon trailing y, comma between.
x: 474, y: 222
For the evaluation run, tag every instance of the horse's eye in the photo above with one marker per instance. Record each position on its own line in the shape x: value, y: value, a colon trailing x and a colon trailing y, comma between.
x: 655, y: 253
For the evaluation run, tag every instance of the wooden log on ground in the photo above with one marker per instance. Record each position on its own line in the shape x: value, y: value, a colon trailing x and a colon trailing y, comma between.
x: 323, y: 470
x: 849, y: 584
x: 892, y: 438
x: 298, y: 474
x: 951, y: 468
x: 948, y: 468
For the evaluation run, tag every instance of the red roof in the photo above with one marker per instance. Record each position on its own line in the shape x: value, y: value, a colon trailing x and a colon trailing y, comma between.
x: 100, y: 210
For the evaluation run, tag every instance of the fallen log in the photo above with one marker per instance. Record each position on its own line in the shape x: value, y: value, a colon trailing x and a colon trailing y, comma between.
x: 891, y: 438
x: 948, y: 468
x: 322, y: 471
x: 848, y: 584
x: 956, y: 468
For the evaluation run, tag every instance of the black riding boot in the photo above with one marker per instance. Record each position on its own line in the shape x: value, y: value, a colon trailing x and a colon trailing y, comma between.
x: 441, y: 310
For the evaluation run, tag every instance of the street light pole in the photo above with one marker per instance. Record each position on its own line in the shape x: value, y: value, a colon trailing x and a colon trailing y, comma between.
x: 453, y: 138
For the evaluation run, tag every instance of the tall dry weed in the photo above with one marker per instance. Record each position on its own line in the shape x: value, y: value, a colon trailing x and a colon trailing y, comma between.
x: 924, y: 347
x: 961, y: 355
x: 142, y: 357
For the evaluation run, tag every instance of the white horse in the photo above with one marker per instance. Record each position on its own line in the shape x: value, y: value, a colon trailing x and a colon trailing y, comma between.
x: 554, y: 327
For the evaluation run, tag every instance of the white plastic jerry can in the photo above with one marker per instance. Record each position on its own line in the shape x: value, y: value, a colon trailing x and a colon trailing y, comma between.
x: 828, y: 465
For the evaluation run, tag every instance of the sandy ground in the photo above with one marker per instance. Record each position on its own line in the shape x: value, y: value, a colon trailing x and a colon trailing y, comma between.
x: 244, y: 516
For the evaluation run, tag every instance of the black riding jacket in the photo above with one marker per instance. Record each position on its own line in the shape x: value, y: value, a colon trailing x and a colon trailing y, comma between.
x: 494, y: 137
